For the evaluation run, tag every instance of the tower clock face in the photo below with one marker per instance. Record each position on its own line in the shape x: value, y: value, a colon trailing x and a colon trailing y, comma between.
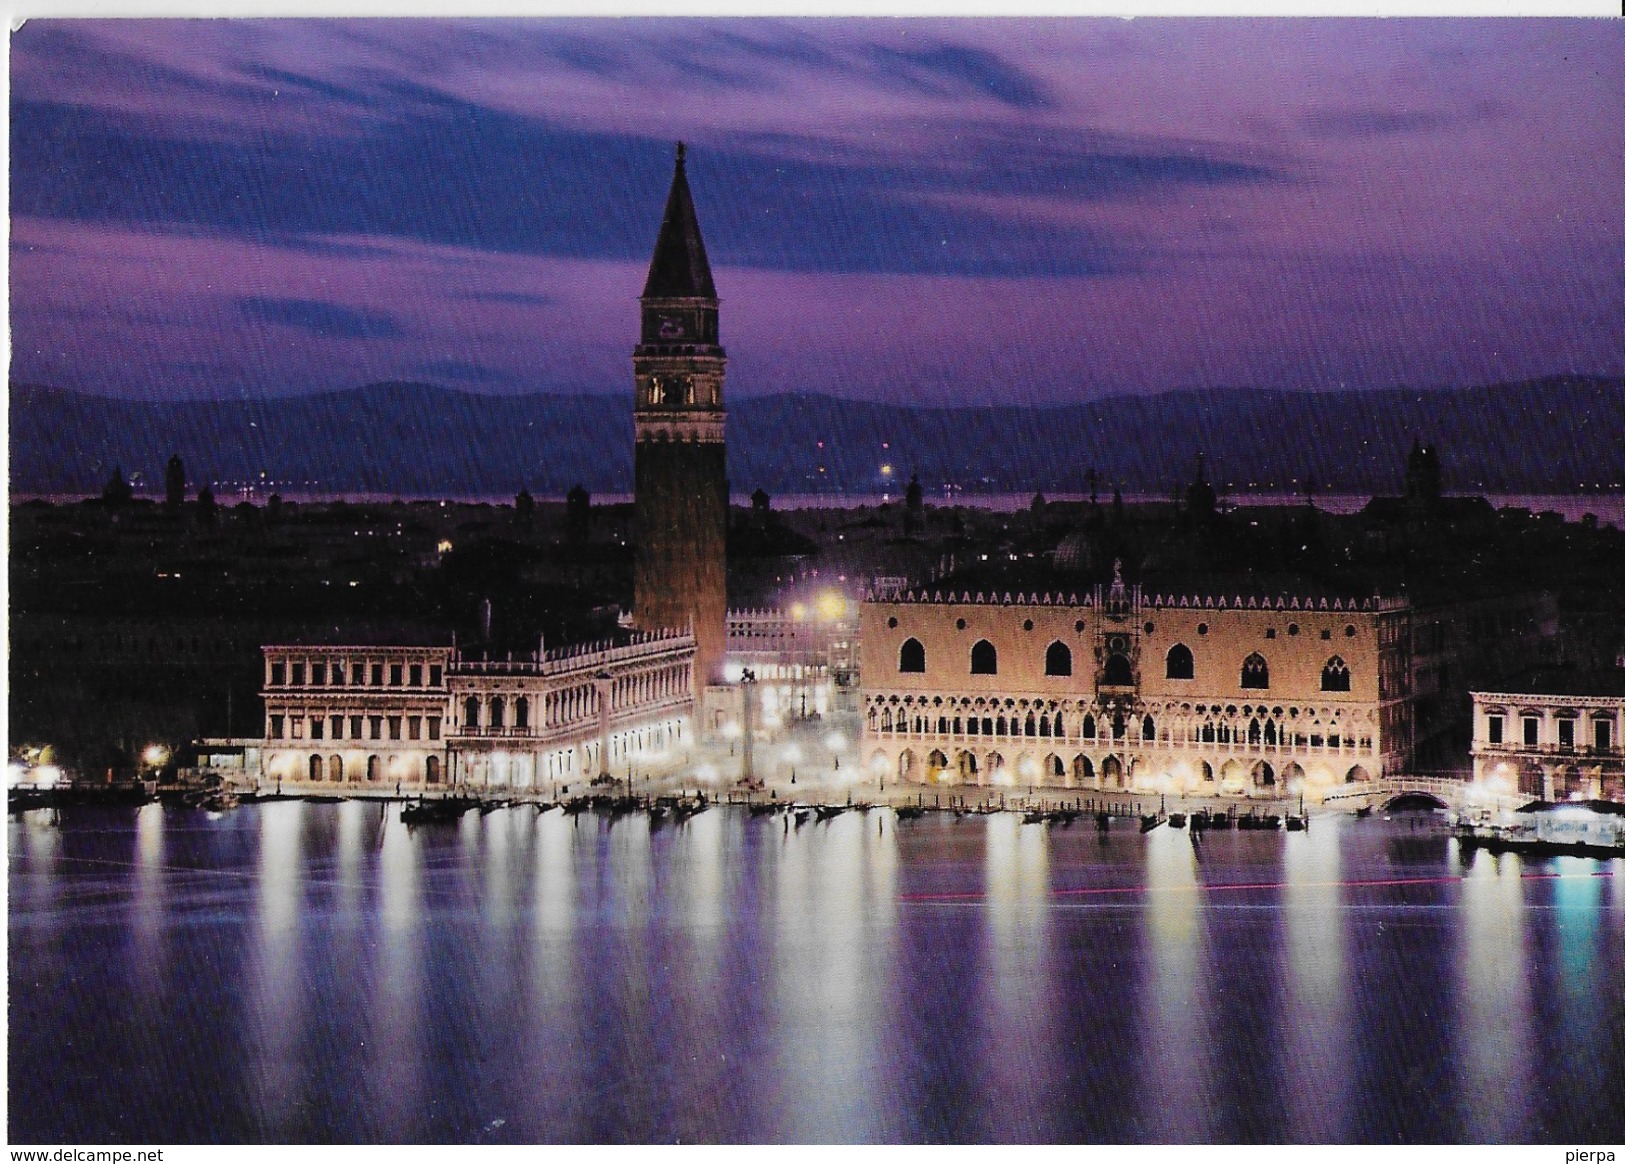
x: 671, y: 327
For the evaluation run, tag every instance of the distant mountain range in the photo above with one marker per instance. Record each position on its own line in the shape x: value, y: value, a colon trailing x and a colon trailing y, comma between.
x: 417, y: 440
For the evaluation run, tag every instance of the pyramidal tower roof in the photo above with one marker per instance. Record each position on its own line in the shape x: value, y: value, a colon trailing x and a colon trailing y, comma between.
x: 679, y: 269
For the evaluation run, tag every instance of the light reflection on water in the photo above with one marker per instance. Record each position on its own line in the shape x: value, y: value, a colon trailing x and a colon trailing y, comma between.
x: 1315, y: 1013
x: 1495, y: 993
x: 1177, y: 1048
x: 294, y: 972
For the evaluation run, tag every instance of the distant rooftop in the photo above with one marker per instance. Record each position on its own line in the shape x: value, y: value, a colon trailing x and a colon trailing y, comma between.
x: 1607, y: 684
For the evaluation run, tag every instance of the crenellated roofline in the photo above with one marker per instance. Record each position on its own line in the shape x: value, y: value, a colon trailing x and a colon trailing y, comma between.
x: 1375, y: 603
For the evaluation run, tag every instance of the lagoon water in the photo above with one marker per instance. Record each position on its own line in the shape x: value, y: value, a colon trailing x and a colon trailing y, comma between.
x: 318, y: 972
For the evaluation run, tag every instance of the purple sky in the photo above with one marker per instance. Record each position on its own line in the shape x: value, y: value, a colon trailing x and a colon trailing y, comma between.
x: 930, y: 211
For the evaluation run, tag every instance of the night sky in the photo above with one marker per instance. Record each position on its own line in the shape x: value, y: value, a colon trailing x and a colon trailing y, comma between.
x: 942, y: 211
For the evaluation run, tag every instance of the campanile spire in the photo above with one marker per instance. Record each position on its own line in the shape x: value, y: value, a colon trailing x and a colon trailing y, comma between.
x: 680, y: 463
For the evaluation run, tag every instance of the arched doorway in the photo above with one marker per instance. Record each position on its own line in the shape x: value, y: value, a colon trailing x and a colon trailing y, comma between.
x: 935, y: 765
x: 315, y: 768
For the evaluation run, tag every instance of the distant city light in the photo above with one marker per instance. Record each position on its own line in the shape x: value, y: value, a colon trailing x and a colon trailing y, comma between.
x: 156, y: 754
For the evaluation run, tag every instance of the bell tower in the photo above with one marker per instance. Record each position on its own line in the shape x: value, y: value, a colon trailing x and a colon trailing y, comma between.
x: 680, y: 475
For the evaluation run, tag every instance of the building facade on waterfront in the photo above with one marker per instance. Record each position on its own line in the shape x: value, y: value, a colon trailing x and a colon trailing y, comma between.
x: 420, y: 718
x: 1116, y: 689
x: 680, y: 475
x: 1552, y: 734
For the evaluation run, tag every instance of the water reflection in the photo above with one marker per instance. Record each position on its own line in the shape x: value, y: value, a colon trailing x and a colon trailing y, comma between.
x: 275, y: 974
x: 1176, y: 1052
x: 1019, y: 1055
x: 1494, y: 997
x: 148, y: 951
x: 1315, y: 1019
x: 399, y: 1000
x: 829, y: 971
x: 1584, y: 991
x: 306, y: 972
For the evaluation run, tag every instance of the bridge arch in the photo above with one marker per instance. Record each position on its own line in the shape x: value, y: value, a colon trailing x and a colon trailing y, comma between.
x: 1412, y: 799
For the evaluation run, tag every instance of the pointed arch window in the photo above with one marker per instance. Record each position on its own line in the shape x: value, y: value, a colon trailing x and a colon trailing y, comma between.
x: 1058, y: 659
x: 1255, y: 672
x: 984, y: 658
x: 1335, y: 675
x: 1180, y: 663
x: 911, y: 659
x: 1148, y: 728
x: 1118, y: 672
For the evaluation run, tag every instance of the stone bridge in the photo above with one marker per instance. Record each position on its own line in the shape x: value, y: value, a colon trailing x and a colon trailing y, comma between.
x: 1451, y: 792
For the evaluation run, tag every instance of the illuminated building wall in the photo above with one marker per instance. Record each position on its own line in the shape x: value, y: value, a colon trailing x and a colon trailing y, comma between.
x: 1556, y: 736
x: 1114, y: 689
x: 377, y: 718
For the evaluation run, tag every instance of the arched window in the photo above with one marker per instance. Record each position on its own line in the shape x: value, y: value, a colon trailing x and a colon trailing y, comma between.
x: 335, y: 768
x: 521, y: 713
x: 1180, y: 663
x: 911, y: 658
x: 1148, y: 728
x: 471, y: 713
x: 1335, y: 675
x: 1255, y: 672
x: 984, y: 659
x: 496, y: 711
x: 1118, y: 672
x: 431, y: 770
x: 1058, y: 659
x: 315, y: 767
x: 372, y: 768
x: 1088, y: 727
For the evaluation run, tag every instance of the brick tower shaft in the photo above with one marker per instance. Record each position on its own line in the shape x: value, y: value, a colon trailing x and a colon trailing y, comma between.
x: 680, y: 462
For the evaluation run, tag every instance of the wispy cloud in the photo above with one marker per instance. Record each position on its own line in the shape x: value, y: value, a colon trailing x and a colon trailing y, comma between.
x: 1054, y: 206
x: 328, y: 320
